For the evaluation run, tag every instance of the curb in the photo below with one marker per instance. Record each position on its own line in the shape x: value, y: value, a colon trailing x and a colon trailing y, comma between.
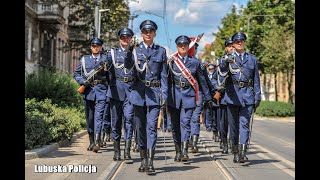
x: 38, y: 152
x: 285, y: 119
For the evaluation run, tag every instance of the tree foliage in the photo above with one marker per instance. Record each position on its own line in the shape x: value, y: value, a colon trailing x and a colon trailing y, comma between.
x: 82, y: 13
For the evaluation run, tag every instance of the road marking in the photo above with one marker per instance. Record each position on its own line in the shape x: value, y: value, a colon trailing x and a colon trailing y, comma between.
x: 61, y: 176
x: 276, y: 156
x: 228, y: 175
x: 278, y: 165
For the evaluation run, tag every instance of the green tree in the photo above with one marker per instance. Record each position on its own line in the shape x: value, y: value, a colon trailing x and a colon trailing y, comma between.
x: 270, y: 30
x: 82, y: 13
x: 231, y: 23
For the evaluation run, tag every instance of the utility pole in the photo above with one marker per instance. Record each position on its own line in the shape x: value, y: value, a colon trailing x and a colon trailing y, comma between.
x: 96, y: 17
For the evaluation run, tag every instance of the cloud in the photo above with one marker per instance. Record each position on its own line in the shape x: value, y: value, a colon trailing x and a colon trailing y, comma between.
x: 203, y: 14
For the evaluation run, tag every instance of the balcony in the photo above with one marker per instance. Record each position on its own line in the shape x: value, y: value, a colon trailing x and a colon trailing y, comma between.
x: 50, y: 13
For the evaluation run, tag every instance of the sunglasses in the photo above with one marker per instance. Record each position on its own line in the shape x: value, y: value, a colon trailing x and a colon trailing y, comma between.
x: 125, y: 37
x: 95, y: 45
x: 182, y: 45
x: 145, y: 31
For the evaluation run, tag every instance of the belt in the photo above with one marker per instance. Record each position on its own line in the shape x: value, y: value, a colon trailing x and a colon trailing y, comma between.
x: 125, y: 79
x: 182, y: 84
x: 242, y: 83
x: 154, y: 83
x: 98, y: 81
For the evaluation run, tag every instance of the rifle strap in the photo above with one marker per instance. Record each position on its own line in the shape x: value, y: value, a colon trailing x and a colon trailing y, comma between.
x: 84, y: 67
x: 187, y: 74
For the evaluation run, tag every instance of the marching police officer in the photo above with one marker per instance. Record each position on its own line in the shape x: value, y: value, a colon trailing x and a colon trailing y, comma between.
x: 242, y: 95
x: 183, y: 94
x: 95, y: 90
x: 149, y: 91
x: 210, y: 108
x: 121, y: 79
x: 220, y: 86
x: 195, y: 119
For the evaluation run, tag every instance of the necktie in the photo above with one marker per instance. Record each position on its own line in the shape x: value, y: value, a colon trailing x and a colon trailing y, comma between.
x: 148, y: 50
x: 240, y: 56
x: 184, y: 60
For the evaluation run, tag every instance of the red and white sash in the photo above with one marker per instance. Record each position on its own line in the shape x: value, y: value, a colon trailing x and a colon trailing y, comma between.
x: 187, y: 74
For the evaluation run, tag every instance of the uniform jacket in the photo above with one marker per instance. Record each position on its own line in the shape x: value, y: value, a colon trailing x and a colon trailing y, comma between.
x: 99, y: 91
x: 186, y: 95
x: 118, y: 89
x: 156, y: 70
x: 246, y: 95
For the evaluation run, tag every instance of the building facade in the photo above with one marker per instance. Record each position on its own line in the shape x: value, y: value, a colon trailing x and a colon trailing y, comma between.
x: 47, y: 34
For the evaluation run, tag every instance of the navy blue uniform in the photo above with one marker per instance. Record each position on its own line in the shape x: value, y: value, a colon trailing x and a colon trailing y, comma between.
x: 242, y: 94
x: 119, y: 91
x: 95, y: 94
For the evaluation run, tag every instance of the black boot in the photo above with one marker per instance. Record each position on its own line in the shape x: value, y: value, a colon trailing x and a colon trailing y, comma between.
x: 185, y: 156
x: 242, y: 155
x: 91, y: 140
x: 150, y: 169
x: 194, y: 148
x: 103, y: 136
x: 224, y: 146
x: 117, y: 152
x: 108, y: 134
x: 190, y: 142
x: 216, y: 136
x: 177, y: 158
x: 96, y: 146
x: 235, y: 152
x: 126, y: 154
x: 143, y: 156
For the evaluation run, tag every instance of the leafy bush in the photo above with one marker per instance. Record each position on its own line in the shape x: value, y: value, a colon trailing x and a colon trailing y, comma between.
x: 275, y: 109
x: 60, y: 88
x: 46, y: 122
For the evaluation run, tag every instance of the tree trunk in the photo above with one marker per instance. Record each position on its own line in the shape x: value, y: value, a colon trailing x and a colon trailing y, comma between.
x: 289, y: 79
x: 276, y: 86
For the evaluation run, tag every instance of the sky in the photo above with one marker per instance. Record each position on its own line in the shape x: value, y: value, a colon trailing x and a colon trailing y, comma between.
x: 182, y: 17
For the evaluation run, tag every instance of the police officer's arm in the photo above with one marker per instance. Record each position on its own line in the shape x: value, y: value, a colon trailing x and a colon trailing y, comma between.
x: 108, y: 59
x: 256, y: 81
x: 214, y: 78
x: 77, y: 75
x: 202, y: 83
x: 224, y: 65
x: 129, y: 60
x: 164, y: 76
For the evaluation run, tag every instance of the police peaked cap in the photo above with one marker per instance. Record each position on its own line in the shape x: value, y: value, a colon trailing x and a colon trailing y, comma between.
x: 125, y: 31
x: 239, y: 36
x: 148, y: 24
x: 96, y: 40
x: 183, y: 39
x: 228, y: 41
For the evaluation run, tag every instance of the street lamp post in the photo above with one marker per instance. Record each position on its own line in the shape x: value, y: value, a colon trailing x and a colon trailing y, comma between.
x: 96, y: 17
x: 99, y: 20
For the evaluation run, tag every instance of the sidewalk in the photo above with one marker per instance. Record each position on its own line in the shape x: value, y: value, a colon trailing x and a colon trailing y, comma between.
x: 201, y: 165
x: 209, y: 163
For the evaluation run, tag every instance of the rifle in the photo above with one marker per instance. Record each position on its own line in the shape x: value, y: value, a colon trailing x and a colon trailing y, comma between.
x: 91, y: 75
